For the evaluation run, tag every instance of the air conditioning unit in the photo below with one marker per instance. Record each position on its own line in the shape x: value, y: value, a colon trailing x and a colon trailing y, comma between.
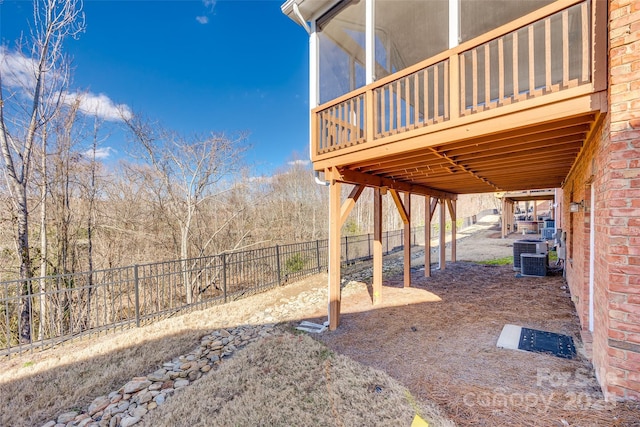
x: 547, y: 233
x: 549, y: 223
x: 527, y: 247
x: 534, y: 265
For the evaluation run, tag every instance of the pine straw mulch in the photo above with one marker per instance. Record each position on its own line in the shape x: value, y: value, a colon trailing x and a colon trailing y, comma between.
x: 438, y: 338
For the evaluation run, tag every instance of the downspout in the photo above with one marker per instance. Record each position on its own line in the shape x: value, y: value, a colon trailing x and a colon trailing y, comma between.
x: 303, y: 22
x: 316, y: 176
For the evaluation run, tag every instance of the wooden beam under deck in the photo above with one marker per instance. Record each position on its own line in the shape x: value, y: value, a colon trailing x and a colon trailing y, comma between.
x: 431, y: 162
x: 541, y: 132
x: 433, y: 169
x: 350, y: 203
x: 402, y: 210
x: 355, y: 177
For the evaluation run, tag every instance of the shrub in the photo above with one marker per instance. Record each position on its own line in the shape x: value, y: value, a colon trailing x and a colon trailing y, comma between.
x: 294, y: 264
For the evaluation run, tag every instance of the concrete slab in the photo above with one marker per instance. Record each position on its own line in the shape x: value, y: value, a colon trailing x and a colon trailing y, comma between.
x: 510, y: 337
x: 312, y: 327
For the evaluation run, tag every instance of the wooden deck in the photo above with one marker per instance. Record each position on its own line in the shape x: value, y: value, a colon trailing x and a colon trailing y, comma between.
x: 507, y: 111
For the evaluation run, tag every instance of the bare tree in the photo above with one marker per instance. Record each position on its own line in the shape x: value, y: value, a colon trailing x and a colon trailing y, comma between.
x: 54, y: 21
x: 296, y: 207
x: 44, y: 246
x: 63, y: 185
x: 91, y: 193
x: 188, y: 170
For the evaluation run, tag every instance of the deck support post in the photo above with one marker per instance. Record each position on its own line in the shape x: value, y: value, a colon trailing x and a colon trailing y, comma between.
x: 407, y: 241
x: 503, y: 222
x: 443, y: 241
x: 404, y: 211
x: 334, y: 254
x: 427, y: 236
x: 377, y: 246
x: 510, y: 221
x: 452, y: 213
x: 507, y: 216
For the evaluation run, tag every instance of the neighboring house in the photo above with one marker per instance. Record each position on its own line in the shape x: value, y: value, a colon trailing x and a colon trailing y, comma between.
x: 447, y: 97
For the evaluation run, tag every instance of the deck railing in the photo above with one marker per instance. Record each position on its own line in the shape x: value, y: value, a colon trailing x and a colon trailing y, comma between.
x: 417, y: 100
x: 545, y: 52
x: 342, y: 124
x: 546, y: 56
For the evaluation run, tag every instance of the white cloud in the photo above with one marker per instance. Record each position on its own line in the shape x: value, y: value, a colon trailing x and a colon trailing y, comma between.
x: 18, y: 73
x: 260, y: 179
x: 100, y: 106
x: 16, y: 69
x: 101, y: 153
x: 209, y: 4
x: 299, y: 162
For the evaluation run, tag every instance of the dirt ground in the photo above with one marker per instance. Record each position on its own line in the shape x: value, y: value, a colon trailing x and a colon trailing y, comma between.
x: 438, y: 338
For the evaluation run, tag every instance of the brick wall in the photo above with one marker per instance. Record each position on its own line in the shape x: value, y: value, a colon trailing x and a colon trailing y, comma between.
x: 622, y: 200
x: 602, y: 278
x: 577, y: 224
x: 610, y: 162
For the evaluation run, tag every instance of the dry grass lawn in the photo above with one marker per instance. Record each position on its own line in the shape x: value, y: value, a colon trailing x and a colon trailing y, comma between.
x: 36, y: 387
x: 293, y: 380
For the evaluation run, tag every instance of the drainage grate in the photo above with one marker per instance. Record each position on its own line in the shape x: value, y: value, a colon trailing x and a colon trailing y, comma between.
x: 547, y: 342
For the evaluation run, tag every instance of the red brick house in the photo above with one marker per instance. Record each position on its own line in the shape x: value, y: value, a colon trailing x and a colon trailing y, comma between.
x: 446, y: 97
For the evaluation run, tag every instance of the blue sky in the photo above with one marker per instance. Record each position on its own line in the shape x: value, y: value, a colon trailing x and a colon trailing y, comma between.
x: 196, y: 66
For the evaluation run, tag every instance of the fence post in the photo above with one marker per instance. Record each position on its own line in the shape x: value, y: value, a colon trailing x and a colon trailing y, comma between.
x: 136, y: 284
x: 387, y: 253
x: 318, y: 254
x: 278, y: 263
x: 224, y: 276
x: 346, y: 249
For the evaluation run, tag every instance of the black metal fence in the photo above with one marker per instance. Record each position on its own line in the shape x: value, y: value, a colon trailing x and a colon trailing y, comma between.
x: 57, y: 308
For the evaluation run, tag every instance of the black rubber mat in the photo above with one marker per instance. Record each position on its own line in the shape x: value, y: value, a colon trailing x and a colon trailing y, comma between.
x: 547, y: 342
